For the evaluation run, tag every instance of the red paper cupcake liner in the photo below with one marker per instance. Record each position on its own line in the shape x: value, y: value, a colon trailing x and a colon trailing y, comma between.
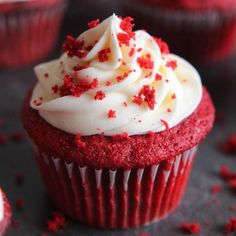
x: 201, y: 37
x: 116, y: 198
x: 29, y: 35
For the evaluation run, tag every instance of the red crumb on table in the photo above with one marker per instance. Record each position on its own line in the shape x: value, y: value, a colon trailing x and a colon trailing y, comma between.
x: 163, y: 45
x: 145, y: 62
x: 57, y: 222
x: 17, y: 136
x: 191, y: 228
x: 78, y: 142
x: 76, y: 89
x: 19, y: 204
x: 103, y: 55
x: 146, y: 94
x: 3, y: 139
x: 19, y: 178
x: 99, y: 95
x: 229, y: 146
x: 158, y: 77
x: 230, y: 226
x: 172, y: 64
x: 74, y: 47
x: 15, y: 223
x: 165, y: 124
x: 111, y: 114
x: 93, y: 23
x: 228, y: 176
x: 216, y: 189
x: 232, y: 208
x: 120, y: 137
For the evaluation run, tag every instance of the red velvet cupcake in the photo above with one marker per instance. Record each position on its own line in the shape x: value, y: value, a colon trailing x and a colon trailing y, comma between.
x: 201, y: 31
x: 5, y: 213
x: 115, y: 123
x: 28, y: 30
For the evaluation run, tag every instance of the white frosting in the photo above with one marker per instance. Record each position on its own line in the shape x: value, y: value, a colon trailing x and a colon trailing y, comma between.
x: 87, y: 116
x: 1, y: 206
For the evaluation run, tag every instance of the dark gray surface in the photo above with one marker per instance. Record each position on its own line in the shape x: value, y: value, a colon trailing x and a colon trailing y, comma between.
x: 197, y: 205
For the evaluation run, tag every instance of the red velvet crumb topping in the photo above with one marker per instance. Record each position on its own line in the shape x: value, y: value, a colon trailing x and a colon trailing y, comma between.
x: 93, y: 23
x: 99, y: 95
x: 146, y: 94
x: 111, y: 114
x: 165, y: 124
x: 73, y: 47
x: 55, y: 88
x: 103, y: 55
x: 172, y: 64
x: 163, y: 45
x: 76, y: 89
x: 120, y: 137
x: 158, y: 77
x: 145, y: 62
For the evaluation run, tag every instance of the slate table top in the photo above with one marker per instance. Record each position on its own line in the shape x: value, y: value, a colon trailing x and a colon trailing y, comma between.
x: 198, y: 204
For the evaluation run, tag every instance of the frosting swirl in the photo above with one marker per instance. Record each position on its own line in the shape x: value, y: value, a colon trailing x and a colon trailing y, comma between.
x: 112, y: 80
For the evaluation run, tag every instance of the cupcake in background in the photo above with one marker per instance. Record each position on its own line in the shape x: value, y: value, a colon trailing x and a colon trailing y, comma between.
x: 28, y: 30
x: 115, y: 123
x: 5, y: 213
x: 201, y: 31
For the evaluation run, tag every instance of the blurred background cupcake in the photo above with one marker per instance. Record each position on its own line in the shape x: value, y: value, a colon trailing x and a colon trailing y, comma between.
x: 28, y: 30
x: 201, y: 31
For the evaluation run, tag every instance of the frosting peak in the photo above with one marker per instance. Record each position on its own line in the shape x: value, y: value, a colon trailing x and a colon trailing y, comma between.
x: 113, y: 80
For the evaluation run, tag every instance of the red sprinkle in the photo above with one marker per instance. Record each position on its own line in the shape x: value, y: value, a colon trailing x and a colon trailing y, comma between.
x: 79, y: 143
x: 163, y: 45
x: 93, y: 23
x: 165, y: 124
x: 99, y: 95
x: 230, y: 226
x: 145, y: 62
x: 191, y: 228
x: 103, y: 55
x: 111, y: 114
x: 146, y: 94
x: 172, y: 64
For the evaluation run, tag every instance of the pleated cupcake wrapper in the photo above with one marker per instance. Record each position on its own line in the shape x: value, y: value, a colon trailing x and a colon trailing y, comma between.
x: 28, y: 36
x: 116, y: 198
x: 201, y: 37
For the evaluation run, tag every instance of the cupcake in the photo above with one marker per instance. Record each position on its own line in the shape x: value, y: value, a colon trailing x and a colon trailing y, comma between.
x: 202, y: 31
x: 29, y: 29
x: 115, y: 123
x: 5, y: 213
